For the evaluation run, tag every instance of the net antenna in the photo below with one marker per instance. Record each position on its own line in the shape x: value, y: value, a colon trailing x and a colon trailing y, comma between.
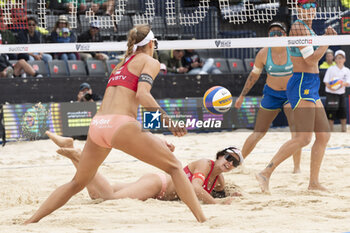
x: 241, y: 13
x: 324, y: 11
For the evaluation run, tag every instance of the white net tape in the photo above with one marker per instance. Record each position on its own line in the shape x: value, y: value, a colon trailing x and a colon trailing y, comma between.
x: 183, y: 44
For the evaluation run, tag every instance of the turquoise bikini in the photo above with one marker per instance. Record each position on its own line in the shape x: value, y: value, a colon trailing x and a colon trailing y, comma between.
x: 295, y: 51
x: 272, y: 99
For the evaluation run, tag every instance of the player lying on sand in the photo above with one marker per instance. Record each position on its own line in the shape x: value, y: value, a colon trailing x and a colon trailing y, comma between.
x: 205, y: 175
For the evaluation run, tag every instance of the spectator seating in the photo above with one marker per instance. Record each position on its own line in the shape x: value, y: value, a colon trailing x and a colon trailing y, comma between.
x: 133, y: 7
x: 84, y: 23
x: 76, y: 68
x: 123, y: 27
x: 173, y: 32
x: 51, y: 21
x: 13, y: 62
x: 203, y: 53
x: 249, y: 63
x: 95, y: 67
x: 236, y: 65
x: 111, y: 64
x: 158, y: 27
x: 58, y: 68
x: 40, y: 67
x: 221, y: 64
x: 215, y: 53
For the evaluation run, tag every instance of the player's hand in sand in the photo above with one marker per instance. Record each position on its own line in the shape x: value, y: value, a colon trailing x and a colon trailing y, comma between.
x: 226, y: 201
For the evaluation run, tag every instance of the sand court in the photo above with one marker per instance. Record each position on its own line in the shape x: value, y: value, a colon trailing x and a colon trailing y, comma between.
x: 30, y: 171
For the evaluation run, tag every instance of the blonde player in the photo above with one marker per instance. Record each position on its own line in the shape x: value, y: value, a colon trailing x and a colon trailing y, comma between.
x: 115, y: 126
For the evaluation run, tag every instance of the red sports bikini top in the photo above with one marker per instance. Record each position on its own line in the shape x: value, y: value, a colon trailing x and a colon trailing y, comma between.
x: 123, y: 77
x: 205, y: 184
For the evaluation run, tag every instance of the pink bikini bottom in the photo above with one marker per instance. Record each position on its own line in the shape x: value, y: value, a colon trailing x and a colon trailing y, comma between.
x: 103, y: 127
x: 162, y: 177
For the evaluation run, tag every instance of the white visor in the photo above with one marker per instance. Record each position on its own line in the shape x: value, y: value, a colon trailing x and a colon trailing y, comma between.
x: 146, y: 40
x: 237, y: 152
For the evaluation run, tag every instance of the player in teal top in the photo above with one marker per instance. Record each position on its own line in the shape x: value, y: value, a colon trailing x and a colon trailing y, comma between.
x: 295, y: 51
x: 279, y: 68
x: 302, y: 93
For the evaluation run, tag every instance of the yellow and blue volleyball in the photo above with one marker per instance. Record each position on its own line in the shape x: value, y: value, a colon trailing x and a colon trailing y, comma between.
x: 335, y: 83
x: 217, y: 100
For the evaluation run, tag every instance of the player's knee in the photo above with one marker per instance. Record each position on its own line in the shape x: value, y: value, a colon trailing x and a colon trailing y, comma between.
x: 21, y: 61
x: 258, y: 135
x: 78, y: 185
x: 303, y: 140
x: 323, y: 137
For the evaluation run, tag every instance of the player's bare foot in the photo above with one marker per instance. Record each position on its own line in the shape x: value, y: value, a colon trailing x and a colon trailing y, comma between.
x: 317, y: 186
x: 263, y: 182
x: 296, y: 170
x: 60, y: 141
x: 71, y: 153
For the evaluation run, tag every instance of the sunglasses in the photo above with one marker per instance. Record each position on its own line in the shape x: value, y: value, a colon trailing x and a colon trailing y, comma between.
x: 155, y: 41
x: 275, y: 33
x: 307, y: 6
x: 31, y: 24
x: 230, y: 158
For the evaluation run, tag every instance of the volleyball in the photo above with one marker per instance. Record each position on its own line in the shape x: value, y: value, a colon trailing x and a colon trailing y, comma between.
x: 217, y: 100
x: 335, y: 83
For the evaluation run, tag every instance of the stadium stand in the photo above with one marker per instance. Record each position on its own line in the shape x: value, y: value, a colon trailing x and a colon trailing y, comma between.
x: 96, y: 68
x: 76, y: 68
x: 40, y: 67
x: 58, y: 68
x: 221, y: 64
x: 236, y: 65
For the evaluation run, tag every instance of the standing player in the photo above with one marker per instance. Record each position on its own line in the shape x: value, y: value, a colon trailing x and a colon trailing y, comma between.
x: 279, y: 68
x: 335, y: 96
x: 302, y: 93
x: 115, y: 126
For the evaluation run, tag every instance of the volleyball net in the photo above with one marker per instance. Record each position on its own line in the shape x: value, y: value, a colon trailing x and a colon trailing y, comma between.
x: 221, y: 24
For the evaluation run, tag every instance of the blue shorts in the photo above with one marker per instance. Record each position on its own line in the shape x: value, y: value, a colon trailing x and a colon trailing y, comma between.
x: 272, y: 99
x: 303, y: 86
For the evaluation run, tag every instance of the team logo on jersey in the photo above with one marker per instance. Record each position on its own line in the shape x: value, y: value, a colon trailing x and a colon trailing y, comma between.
x: 306, y: 91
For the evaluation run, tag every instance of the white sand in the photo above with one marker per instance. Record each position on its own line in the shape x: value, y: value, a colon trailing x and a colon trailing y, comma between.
x: 30, y: 171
